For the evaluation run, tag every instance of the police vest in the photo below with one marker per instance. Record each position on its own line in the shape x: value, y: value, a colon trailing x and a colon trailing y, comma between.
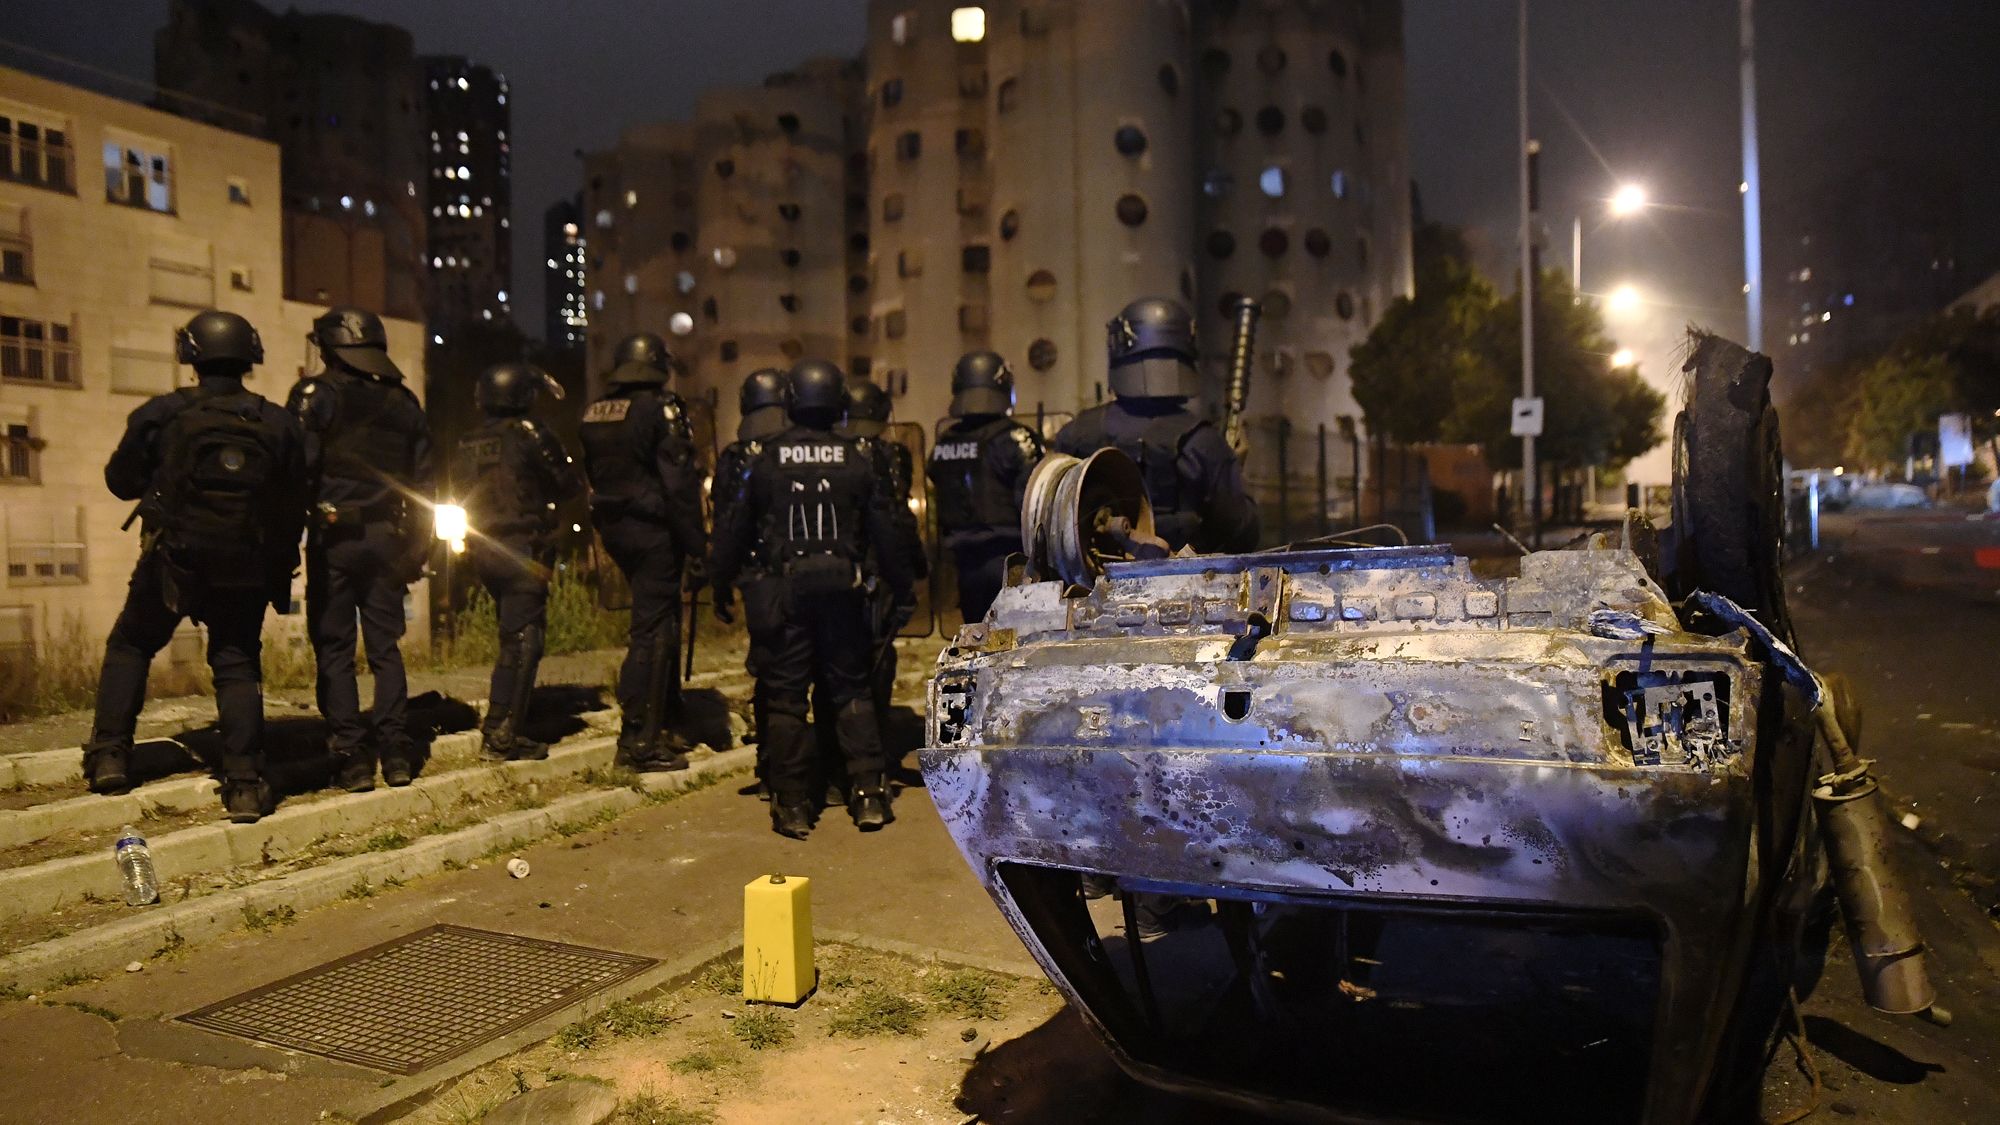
x: 621, y: 437
x: 365, y: 443
x: 972, y: 491
x: 503, y: 487
x: 814, y: 487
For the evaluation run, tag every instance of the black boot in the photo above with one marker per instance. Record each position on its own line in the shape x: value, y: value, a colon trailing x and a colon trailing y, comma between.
x: 869, y: 806
x: 108, y: 768
x: 397, y: 770
x: 354, y: 770
x: 792, y: 818
x: 246, y: 800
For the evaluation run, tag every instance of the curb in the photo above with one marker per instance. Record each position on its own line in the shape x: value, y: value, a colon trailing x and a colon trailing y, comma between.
x: 49, y: 885
x: 108, y: 947
x: 92, y: 812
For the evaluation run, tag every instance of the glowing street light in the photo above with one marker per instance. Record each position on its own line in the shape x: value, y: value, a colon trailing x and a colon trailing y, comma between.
x: 452, y: 526
x: 1623, y: 357
x: 1622, y: 299
x: 1628, y: 200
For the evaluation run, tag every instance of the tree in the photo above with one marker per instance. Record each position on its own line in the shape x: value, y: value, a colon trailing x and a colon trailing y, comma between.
x: 1409, y: 372
x: 1899, y: 396
x: 1950, y: 363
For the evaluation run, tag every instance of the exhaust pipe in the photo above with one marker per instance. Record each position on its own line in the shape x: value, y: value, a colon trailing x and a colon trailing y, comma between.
x: 1888, y: 949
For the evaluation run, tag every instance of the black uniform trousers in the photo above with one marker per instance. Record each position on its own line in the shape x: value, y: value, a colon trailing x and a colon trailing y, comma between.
x: 982, y: 571
x: 355, y: 570
x: 793, y: 643
x: 650, y: 678
x: 515, y: 571
x: 235, y: 620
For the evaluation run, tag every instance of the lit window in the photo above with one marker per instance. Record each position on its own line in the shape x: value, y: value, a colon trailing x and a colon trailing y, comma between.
x: 684, y: 281
x: 680, y: 324
x: 464, y: 85
x: 968, y: 25
x: 569, y: 229
x: 1340, y: 185
x: 503, y: 296
x: 347, y: 203
x: 724, y: 257
x: 552, y: 263
x: 631, y: 198
x: 631, y: 283
x: 899, y: 29
x: 437, y: 263
x: 604, y: 219
x: 597, y: 299
x: 1272, y: 182
x: 368, y: 208
x: 464, y: 173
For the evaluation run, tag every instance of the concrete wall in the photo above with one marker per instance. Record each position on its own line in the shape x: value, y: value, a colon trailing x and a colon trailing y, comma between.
x: 93, y: 269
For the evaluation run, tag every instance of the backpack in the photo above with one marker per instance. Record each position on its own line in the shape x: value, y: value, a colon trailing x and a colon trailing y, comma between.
x: 217, y: 478
x: 217, y: 492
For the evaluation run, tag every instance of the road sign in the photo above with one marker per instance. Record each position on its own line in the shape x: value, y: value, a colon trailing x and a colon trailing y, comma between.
x: 1527, y: 417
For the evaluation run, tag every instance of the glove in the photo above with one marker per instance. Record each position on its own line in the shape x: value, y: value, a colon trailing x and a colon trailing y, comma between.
x: 725, y: 605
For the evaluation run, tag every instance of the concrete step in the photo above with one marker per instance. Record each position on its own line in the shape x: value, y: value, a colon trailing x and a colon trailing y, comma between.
x: 52, y: 884
x: 144, y: 933
x: 93, y: 813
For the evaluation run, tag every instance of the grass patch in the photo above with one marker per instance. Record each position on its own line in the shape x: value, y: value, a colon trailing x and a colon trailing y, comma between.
x: 622, y: 1019
x: 650, y: 1108
x: 968, y: 994
x: 570, y: 828
x: 101, y: 1012
x: 361, y: 889
x: 264, y: 921
x: 613, y: 777
x: 12, y: 991
x: 876, y: 1010
x: 71, y: 979
x: 761, y: 1029
x: 386, y: 842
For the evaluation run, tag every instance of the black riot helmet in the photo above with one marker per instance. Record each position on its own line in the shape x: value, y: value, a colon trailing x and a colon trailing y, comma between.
x: 355, y: 338
x: 819, y: 394
x: 509, y: 389
x: 641, y: 358
x: 868, y: 409
x: 981, y: 384
x: 218, y: 343
x: 1153, y: 351
x: 764, y: 402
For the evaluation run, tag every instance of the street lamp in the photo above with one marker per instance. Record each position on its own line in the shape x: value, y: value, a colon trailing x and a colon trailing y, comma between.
x: 1623, y: 357
x: 1622, y: 299
x: 1628, y: 200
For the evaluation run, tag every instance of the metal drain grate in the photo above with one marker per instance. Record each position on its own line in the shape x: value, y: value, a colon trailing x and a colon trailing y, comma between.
x: 409, y: 1004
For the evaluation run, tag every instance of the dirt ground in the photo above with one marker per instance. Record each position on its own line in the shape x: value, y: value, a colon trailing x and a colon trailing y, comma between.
x: 883, y: 1039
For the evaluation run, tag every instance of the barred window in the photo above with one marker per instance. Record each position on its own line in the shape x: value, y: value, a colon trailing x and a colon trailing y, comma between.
x: 37, y: 153
x: 34, y: 351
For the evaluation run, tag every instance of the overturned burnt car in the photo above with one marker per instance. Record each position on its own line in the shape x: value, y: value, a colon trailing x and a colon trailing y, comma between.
x: 1389, y: 840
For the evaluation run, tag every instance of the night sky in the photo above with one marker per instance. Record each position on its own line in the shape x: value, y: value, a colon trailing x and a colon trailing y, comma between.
x: 1641, y: 89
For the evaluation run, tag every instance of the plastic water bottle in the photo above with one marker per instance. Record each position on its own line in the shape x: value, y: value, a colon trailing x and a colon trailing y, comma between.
x: 135, y: 863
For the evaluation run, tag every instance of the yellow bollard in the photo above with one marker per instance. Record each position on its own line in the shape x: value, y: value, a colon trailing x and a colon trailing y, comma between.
x: 777, y: 939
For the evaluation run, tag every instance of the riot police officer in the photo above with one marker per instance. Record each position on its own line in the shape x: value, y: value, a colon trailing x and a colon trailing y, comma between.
x: 761, y: 404
x: 514, y: 471
x: 979, y: 477
x: 368, y: 446
x: 220, y: 475
x: 868, y: 412
x: 807, y: 509
x: 645, y: 500
x: 1192, y: 476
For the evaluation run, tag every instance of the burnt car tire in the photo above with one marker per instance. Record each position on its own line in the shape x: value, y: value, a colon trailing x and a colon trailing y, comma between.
x: 1727, y: 535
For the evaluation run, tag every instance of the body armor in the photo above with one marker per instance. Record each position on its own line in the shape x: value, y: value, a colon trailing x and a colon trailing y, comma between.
x: 976, y: 469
